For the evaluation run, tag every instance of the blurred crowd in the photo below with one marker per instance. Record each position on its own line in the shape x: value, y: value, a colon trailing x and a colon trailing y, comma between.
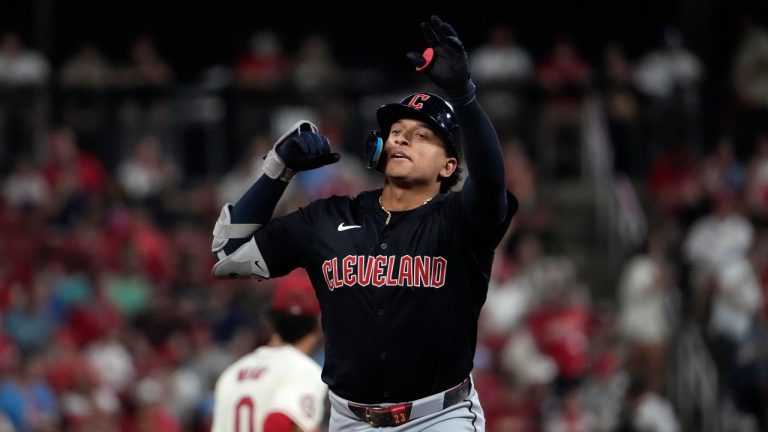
x: 113, y: 174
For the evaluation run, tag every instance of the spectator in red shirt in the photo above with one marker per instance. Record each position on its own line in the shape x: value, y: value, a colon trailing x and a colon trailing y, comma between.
x: 74, y: 176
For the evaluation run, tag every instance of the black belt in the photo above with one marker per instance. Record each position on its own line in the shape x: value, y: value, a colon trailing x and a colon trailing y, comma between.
x: 396, y: 415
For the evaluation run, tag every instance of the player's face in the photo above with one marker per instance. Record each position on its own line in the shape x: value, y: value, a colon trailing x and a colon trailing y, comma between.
x: 416, y: 153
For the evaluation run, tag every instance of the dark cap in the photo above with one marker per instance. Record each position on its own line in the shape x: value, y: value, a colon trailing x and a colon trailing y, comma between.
x: 430, y: 109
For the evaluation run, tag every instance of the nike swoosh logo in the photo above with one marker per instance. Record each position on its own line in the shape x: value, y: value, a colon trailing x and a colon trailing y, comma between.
x: 342, y: 227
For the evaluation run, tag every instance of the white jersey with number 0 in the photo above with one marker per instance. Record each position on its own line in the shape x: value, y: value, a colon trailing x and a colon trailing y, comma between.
x: 270, y: 379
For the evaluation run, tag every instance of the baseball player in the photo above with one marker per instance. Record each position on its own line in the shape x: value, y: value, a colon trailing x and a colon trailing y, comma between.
x: 277, y: 388
x: 400, y: 272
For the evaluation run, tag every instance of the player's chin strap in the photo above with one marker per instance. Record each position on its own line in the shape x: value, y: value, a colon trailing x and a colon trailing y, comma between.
x: 246, y: 261
x: 274, y: 166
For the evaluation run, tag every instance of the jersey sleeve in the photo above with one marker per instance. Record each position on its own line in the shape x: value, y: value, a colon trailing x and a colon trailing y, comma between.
x: 475, y: 232
x: 303, y: 401
x: 283, y: 240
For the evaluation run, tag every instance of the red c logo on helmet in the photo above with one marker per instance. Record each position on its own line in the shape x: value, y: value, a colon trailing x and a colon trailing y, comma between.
x: 417, y: 99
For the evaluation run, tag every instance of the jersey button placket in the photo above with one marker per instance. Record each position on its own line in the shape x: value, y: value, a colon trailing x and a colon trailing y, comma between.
x: 383, y: 246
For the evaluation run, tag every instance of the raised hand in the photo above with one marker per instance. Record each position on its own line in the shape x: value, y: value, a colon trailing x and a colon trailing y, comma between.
x: 445, y: 62
x: 305, y: 149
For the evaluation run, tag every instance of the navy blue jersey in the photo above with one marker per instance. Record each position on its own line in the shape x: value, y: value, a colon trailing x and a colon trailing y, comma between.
x: 400, y: 302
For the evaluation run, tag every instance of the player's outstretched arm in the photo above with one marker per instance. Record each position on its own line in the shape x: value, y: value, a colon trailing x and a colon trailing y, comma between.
x: 301, y: 148
x: 445, y: 62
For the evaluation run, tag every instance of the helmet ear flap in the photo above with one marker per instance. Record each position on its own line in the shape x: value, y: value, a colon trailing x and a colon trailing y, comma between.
x: 374, y: 149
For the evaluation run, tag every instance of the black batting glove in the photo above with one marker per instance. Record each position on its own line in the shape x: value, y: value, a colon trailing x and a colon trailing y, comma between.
x: 445, y: 62
x: 306, y: 150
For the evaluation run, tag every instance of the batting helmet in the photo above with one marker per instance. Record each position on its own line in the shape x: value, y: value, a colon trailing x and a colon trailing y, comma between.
x: 426, y: 107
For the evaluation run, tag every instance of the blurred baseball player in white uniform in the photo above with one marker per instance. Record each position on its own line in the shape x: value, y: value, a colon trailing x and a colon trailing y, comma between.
x: 277, y: 387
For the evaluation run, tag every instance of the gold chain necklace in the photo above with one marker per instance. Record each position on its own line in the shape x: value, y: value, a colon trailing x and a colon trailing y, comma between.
x: 389, y: 214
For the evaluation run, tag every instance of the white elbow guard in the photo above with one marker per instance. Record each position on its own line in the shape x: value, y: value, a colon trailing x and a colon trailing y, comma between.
x: 246, y: 261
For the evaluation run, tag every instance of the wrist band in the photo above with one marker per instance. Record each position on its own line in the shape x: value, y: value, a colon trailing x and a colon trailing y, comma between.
x: 275, y: 168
